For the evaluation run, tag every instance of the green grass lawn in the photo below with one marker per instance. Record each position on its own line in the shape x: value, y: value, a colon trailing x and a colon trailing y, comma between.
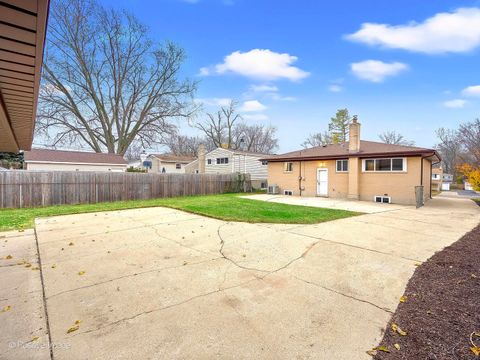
x: 228, y: 207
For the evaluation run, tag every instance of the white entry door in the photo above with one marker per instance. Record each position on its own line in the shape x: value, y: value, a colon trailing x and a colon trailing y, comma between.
x: 322, y: 182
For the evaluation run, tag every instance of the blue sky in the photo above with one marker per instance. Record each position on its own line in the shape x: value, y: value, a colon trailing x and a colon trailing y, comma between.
x: 292, y: 64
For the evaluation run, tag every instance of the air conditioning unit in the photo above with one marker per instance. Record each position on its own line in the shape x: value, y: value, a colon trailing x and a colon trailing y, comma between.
x: 273, y: 190
x: 382, y: 199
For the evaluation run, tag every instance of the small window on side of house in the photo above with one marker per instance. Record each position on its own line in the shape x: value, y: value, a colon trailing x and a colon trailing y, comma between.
x: 370, y: 165
x: 178, y: 166
x: 222, y: 160
x: 288, y: 167
x: 342, y: 165
x: 209, y: 161
x: 264, y: 162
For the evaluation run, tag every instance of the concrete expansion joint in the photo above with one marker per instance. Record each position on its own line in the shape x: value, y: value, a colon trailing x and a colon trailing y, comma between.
x: 344, y: 295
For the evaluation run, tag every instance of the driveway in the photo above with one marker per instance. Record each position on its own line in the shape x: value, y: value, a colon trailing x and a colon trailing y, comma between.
x: 163, y: 284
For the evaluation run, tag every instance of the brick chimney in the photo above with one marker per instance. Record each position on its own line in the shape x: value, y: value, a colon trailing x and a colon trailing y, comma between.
x: 354, y: 135
x: 201, y: 159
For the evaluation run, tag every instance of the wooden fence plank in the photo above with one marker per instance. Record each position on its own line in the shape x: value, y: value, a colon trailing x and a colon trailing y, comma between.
x: 23, y: 188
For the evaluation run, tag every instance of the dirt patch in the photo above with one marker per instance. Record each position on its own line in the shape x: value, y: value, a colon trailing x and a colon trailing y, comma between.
x: 442, y: 307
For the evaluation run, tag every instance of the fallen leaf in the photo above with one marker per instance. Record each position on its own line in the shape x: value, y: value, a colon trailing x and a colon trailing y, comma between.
x: 398, y: 330
x: 418, y: 264
x: 8, y: 257
x: 81, y: 273
x: 72, y: 329
x: 28, y: 265
x: 475, y: 350
x: 397, y: 346
x: 35, y: 338
x: 474, y: 276
x: 382, y: 348
x: 35, y: 268
x: 7, y: 308
x: 54, y: 266
x: 71, y: 244
x: 403, y: 299
x: 77, y: 322
x: 372, y: 352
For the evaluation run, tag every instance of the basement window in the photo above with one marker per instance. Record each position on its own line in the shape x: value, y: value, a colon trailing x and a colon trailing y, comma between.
x: 385, y: 165
x: 342, y: 165
x: 288, y: 192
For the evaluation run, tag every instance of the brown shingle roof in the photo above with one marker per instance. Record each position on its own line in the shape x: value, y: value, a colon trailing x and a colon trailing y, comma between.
x: 78, y: 157
x: 337, y: 151
x: 174, y: 158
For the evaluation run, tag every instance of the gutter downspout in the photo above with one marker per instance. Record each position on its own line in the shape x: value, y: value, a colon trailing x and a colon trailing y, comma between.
x: 300, y: 177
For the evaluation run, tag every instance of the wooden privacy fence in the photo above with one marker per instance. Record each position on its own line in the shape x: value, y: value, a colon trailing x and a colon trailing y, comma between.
x: 23, y: 188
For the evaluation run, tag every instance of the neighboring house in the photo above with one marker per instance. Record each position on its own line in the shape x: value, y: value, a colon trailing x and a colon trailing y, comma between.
x: 60, y: 160
x: 227, y: 161
x: 437, y: 179
x: 361, y: 170
x: 166, y: 163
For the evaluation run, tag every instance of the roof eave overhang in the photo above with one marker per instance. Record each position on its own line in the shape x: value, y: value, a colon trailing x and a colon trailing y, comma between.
x: 21, y: 65
x: 425, y: 153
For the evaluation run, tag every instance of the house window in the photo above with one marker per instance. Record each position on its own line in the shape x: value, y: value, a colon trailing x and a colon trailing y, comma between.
x: 178, y: 166
x: 342, y: 165
x: 287, y: 192
x: 209, y: 161
x: 263, y: 185
x: 385, y: 165
x: 222, y: 160
x: 288, y: 167
x: 264, y: 162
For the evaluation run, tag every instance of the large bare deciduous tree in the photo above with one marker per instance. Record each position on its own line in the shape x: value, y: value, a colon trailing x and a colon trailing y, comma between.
x: 106, y: 84
x: 317, y: 139
x: 226, y: 128
x: 395, y: 138
x: 469, y: 137
x: 450, y: 148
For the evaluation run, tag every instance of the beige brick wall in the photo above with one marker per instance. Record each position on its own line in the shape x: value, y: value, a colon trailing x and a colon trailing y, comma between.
x: 400, y: 186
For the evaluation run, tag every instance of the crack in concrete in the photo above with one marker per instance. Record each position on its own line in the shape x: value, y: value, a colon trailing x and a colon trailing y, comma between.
x: 114, y: 323
x: 343, y: 294
x: 80, y: 236
x: 130, y: 275
x: 355, y: 246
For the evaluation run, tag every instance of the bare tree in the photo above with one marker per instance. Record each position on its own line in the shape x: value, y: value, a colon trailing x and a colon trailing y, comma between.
x: 392, y: 137
x: 185, y: 145
x: 317, y: 139
x: 450, y: 149
x: 469, y: 137
x: 218, y: 127
x: 255, y: 138
x: 105, y: 83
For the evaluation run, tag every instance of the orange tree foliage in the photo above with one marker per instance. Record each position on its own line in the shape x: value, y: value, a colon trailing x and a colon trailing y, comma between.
x: 472, y: 174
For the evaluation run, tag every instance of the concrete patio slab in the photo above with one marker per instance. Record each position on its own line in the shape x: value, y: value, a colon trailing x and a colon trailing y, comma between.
x: 158, y: 283
x: 330, y: 203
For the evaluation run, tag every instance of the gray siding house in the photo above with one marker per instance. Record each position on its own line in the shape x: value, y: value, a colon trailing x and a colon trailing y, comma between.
x: 227, y: 161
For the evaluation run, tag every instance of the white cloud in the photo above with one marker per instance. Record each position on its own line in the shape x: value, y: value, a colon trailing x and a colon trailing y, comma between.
x: 252, y: 106
x: 257, y: 117
x: 263, y: 88
x: 278, y: 97
x: 204, y: 71
x: 375, y: 70
x: 457, y: 31
x: 214, y: 101
x: 335, y: 88
x: 473, y: 90
x: 261, y: 64
x: 455, y: 103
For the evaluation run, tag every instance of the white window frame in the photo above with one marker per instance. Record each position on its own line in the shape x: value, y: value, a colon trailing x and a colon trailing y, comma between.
x: 178, y: 166
x: 285, y: 166
x: 222, y: 161
x: 336, y: 166
x: 404, y: 159
x: 209, y: 162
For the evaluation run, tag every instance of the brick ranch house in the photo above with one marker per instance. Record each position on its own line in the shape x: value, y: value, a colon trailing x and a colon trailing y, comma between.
x: 357, y: 169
